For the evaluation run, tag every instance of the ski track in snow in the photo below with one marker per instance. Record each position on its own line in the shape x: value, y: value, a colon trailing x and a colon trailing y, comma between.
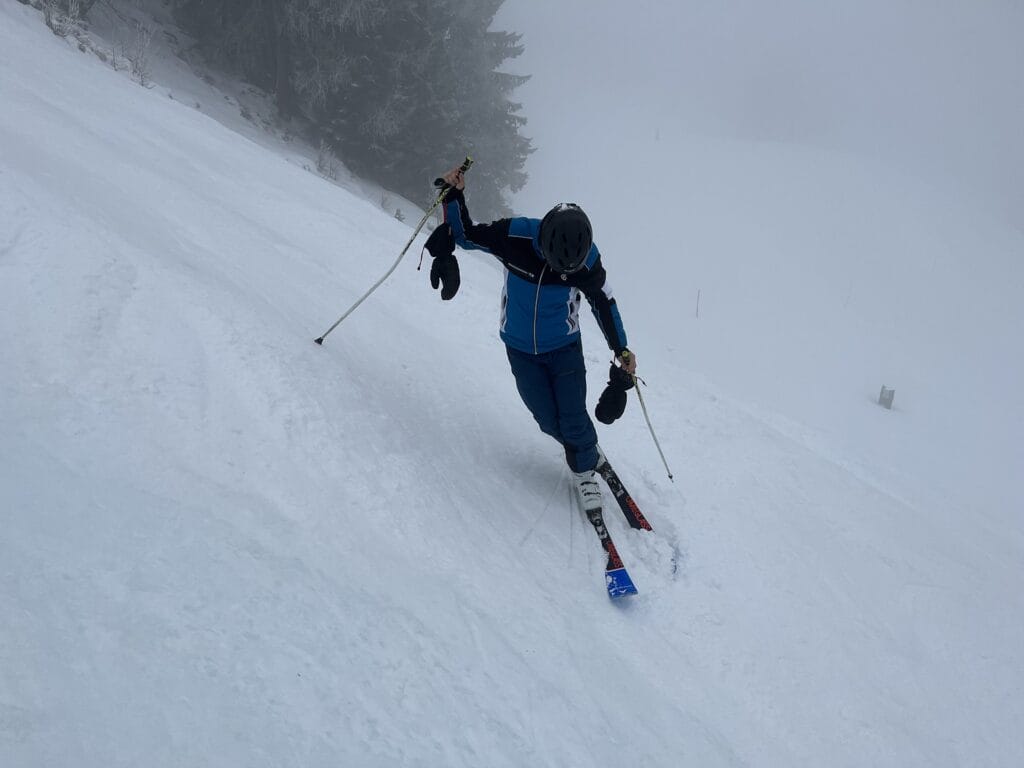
x: 223, y: 542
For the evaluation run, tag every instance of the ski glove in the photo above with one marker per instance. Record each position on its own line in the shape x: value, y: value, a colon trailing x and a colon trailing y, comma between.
x: 441, y: 242
x: 612, y: 402
x: 445, y: 269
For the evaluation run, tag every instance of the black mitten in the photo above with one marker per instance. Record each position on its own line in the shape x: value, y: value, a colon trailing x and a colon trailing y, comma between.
x: 612, y: 402
x: 441, y: 241
x: 445, y: 269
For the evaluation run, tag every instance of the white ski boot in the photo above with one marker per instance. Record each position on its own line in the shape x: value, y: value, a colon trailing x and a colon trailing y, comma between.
x: 587, y: 489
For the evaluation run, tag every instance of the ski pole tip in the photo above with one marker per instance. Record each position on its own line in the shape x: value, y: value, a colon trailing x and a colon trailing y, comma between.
x: 319, y: 341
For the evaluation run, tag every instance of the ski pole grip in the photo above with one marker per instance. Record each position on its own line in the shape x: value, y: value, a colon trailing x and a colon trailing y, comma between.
x: 466, y: 165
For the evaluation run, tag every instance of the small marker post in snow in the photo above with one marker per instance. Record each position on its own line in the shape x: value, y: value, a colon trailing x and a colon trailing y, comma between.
x: 885, y: 397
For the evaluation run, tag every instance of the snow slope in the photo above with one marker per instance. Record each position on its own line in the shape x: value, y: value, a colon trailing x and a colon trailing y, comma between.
x: 223, y: 544
x: 823, y: 277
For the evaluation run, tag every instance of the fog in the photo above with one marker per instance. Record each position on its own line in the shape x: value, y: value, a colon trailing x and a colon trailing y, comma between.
x: 841, y: 183
x: 932, y: 89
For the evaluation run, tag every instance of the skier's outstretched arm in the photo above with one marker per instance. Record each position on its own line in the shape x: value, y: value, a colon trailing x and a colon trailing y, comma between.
x: 458, y: 229
x: 491, y: 238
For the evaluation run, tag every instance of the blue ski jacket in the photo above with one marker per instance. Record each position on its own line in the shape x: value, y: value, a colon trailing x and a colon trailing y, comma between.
x: 539, y: 306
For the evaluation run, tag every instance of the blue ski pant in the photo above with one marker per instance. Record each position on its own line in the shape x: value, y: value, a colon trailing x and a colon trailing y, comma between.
x: 554, y: 387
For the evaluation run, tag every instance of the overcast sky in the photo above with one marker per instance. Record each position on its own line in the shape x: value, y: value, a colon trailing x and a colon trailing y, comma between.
x: 934, y: 87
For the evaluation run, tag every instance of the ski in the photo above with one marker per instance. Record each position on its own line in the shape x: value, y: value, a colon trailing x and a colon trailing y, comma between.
x: 616, y: 577
x: 629, y: 508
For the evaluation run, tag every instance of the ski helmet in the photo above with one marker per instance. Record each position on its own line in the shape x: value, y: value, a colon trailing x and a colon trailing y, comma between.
x: 565, y: 237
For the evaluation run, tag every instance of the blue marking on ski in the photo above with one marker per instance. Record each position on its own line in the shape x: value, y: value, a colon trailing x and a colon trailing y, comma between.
x: 619, y: 584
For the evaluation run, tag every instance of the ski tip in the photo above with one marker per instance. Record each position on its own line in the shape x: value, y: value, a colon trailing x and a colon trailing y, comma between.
x: 619, y: 583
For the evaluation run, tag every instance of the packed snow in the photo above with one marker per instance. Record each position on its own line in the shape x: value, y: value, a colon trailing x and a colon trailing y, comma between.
x: 223, y: 544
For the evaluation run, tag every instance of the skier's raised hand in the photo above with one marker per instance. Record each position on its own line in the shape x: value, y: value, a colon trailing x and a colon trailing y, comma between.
x: 628, y: 362
x: 455, y: 178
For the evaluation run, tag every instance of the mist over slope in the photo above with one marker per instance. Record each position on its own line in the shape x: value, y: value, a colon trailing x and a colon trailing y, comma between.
x: 823, y: 277
x: 840, y: 184
x: 929, y: 90
x: 223, y: 543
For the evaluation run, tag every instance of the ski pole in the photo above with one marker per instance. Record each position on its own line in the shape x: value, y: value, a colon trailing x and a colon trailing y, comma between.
x: 637, y: 381
x: 466, y: 164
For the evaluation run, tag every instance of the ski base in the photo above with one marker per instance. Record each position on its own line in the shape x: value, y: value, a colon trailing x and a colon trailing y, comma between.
x: 619, y: 583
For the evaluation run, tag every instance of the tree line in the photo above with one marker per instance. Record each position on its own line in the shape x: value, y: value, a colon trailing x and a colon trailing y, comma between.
x: 399, y: 89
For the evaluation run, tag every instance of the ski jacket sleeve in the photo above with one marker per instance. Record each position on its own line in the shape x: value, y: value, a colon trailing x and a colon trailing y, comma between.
x: 602, y: 302
x: 491, y: 238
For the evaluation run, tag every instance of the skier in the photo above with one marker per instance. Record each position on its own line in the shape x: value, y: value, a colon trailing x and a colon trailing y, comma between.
x: 548, y: 264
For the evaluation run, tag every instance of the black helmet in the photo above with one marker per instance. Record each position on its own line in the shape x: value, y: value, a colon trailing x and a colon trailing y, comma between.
x: 565, y: 237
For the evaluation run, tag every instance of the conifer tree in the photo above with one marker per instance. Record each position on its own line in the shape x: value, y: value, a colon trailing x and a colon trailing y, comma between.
x: 401, y: 89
